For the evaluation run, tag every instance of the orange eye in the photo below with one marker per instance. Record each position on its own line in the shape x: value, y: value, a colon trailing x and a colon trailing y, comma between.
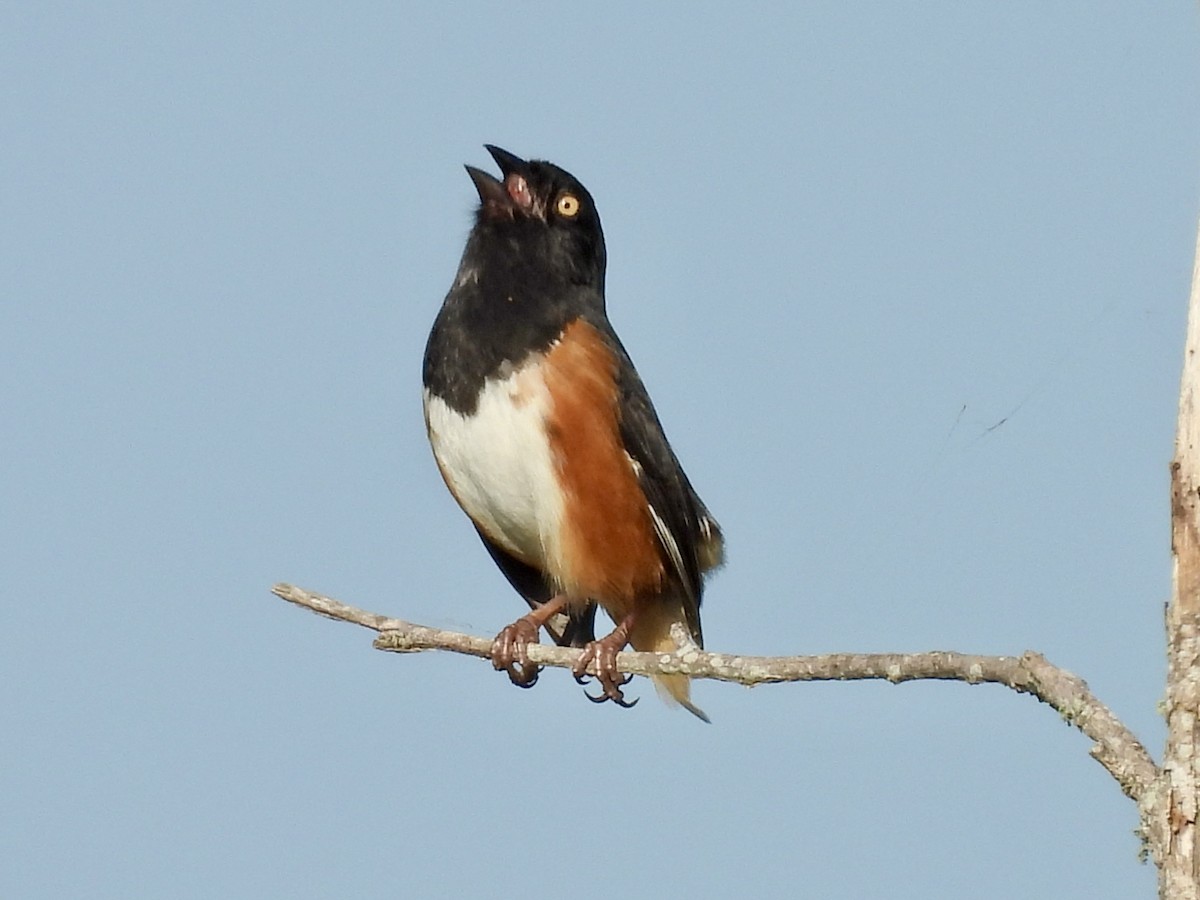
x: 567, y: 205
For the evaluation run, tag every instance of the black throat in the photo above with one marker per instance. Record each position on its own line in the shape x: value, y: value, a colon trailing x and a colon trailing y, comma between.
x: 515, y: 291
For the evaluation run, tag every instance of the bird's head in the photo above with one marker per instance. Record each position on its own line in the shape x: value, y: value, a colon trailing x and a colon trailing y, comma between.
x: 537, y: 202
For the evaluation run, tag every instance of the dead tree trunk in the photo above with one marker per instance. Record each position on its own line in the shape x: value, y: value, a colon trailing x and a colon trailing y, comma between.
x: 1172, y: 821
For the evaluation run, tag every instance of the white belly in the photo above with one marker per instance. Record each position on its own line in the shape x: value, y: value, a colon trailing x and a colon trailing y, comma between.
x: 497, y: 463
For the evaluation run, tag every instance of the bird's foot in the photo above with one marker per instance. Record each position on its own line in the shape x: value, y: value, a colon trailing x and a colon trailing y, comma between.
x: 510, y: 648
x: 604, y: 654
x: 510, y: 653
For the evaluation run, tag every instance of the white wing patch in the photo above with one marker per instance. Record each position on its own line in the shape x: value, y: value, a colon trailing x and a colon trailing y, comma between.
x: 668, y: 541
x: 712, y: 544
x: 661, y: 530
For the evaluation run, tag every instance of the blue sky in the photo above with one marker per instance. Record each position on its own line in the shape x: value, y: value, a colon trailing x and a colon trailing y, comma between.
x: 845, y: 241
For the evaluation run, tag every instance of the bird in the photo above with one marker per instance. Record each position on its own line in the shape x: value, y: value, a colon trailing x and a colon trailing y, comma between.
x: 547, y: 438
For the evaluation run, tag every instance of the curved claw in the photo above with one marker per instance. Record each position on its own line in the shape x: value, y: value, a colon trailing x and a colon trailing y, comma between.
x: 584, y: 680
x: 523, y: 676
x: 617, y: 698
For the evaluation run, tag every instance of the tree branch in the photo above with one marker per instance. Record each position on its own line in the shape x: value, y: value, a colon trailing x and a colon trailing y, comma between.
x: 1114, y: 746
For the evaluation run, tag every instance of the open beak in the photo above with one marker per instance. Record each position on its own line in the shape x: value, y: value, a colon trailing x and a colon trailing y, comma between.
x: 507, y: 198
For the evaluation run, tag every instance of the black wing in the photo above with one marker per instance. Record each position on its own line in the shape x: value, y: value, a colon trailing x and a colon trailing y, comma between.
x: 688, y: 533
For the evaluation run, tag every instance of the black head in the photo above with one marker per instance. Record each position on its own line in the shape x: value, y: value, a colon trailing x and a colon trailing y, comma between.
x: 546, y: 211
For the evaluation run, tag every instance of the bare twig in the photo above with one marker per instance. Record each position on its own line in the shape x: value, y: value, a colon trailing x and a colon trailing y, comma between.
x: 1115, y: 747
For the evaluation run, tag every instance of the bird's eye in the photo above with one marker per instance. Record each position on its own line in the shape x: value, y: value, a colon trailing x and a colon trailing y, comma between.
x: 567, y: 205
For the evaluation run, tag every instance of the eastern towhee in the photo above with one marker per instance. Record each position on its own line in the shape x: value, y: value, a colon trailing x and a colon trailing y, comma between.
x: 547, y: 438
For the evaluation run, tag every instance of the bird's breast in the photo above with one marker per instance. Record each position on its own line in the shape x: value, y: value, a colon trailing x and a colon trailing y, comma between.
x: 498, y: 463
x: 539, y: 466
